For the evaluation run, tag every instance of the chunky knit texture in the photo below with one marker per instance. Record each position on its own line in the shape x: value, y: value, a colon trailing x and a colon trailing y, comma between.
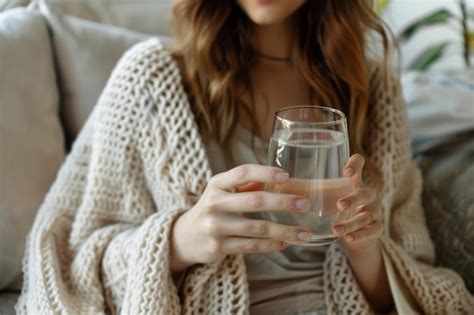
x: 100, y: 242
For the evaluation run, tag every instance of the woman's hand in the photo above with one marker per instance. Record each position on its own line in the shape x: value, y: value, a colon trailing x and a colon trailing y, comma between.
x: 216, y: 225
x: 360, y: 236
x: 361, y: 232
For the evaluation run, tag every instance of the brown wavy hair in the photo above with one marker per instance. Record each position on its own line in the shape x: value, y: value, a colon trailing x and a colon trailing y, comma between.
x: 212, y: 47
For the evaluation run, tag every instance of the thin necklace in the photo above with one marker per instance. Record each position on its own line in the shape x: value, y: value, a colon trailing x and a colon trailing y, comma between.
x: 273, y: 58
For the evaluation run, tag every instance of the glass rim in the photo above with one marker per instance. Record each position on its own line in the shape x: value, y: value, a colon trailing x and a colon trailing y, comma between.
x: 341, y: 120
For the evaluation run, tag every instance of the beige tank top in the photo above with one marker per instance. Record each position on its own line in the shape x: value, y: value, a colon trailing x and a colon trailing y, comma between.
x: 287, y: 282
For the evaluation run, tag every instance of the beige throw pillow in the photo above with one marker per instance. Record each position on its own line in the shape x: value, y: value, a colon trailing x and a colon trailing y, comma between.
x: 31, y: 138
x: 146, y: 16
x: 86, y: 53
x: 8, y: 4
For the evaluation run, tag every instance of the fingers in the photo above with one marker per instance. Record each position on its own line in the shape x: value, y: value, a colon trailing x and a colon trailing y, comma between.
x: 369, y: 232
x: 243, y: 174
x: 365, y: 225
x: 263, y: 229
x: 236, y: 245
x: 355, y: 223
x: 258, y: 201
x: 357, y: 198
x: 354, y: 168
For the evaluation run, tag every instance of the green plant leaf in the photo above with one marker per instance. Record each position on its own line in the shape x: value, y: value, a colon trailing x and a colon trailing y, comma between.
x: 439, y: 16
x: 428, y: 57
x: 380, y: 5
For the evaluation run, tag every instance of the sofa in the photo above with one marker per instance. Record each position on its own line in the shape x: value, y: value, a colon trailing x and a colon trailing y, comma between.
x: 55, y: 58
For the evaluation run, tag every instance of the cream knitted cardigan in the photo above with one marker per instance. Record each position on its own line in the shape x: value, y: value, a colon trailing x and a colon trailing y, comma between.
x: 100, y: 241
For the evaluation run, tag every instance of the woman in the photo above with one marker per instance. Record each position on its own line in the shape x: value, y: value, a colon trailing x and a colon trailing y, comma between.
x: 136, y: 222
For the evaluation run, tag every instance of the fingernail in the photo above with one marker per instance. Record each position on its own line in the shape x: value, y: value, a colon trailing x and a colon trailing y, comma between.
x: 282, y: 176
x: 304, y: 236
x: 344, y: 204
x: 339, y: 229
x: 302, y: 204
x: 349, y: 171
x: 350, y: 238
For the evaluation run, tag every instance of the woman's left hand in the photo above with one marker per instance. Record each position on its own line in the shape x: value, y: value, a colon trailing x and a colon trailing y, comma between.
x: 360, y: 232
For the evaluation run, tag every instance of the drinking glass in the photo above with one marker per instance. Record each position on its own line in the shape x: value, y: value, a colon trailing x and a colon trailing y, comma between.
x: 311, y: 144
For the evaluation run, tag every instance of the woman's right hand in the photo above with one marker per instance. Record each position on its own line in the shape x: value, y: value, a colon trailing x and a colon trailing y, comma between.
x: 216, y: 225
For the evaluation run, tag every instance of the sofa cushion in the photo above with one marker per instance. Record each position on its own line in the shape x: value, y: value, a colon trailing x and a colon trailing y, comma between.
x: 86, y: 53
x: 448, y: 197
x: 8, y: 4
x: 7, y: 302
x: 31, y: 138
x: 146, y: 16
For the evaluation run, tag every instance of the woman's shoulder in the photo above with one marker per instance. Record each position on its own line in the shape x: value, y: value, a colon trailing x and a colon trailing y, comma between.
x: 381, y: 74
x: 144, y: 77
x: 384, y: 84
x: 146, y: 59
x: 138, y: 90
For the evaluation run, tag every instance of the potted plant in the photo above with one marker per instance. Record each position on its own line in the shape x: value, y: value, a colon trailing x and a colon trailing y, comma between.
x: 442, y: 16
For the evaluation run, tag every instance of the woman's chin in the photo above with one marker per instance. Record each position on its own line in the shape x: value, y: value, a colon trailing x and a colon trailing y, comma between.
x: 266, y: 19
x: 264, y: 22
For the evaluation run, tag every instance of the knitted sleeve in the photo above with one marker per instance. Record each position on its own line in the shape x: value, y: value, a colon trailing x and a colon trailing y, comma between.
x: 100, y: 240
x: 406, y: 239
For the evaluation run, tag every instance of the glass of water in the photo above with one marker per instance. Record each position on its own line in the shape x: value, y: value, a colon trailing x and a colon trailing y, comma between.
x: 311, y: 144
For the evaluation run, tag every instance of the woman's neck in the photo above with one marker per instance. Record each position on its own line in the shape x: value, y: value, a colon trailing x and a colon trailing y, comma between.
x: 274, y: 40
